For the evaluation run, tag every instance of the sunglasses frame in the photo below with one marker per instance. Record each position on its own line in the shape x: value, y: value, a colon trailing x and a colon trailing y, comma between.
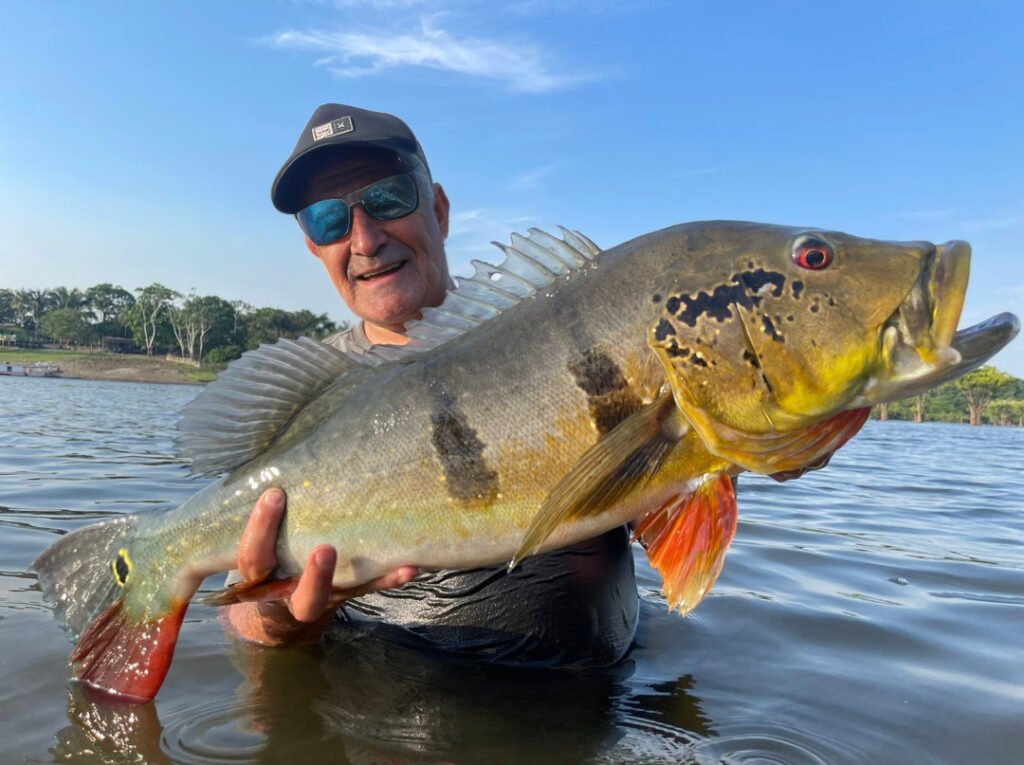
x: 357, y: 195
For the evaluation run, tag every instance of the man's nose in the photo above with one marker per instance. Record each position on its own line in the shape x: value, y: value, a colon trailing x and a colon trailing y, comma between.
x: 366, y: 237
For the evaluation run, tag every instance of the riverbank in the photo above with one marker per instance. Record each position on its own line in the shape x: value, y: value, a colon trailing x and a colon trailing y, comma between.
x: 100, y: 365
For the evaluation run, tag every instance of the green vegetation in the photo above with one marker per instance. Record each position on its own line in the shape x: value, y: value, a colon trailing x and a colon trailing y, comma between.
x: 155, y: 320
x: 984, y: 396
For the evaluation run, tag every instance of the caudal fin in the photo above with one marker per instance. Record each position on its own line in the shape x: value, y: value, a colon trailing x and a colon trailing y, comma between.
x: 123, y: 649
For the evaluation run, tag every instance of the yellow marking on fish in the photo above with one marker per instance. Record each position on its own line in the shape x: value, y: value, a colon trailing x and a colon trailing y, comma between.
x: 122, y: 566
x: 306, y: 484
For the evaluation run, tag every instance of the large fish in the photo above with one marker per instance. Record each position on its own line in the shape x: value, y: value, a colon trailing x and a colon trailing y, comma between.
x: 549, y: 399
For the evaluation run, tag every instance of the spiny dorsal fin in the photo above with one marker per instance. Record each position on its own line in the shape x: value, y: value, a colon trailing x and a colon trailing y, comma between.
x: 244, y: 410
x: 532, y: 264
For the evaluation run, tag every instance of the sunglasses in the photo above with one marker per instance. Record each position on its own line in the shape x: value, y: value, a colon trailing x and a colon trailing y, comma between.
x: 329, y: 220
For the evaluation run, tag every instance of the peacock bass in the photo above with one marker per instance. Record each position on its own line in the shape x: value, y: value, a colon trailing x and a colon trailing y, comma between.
x: 549, y: 399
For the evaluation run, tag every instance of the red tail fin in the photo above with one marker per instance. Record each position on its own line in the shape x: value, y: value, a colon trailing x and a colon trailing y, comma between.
x: 125, y: 657
x: 687, y: 539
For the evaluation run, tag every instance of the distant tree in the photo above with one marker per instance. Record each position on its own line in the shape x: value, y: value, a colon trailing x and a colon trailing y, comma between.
x: 66, y: 325
x: 919, y: 402
x: 268, y: 325
x: 194, y: 320
x: 1006, y: 412
x: 110, y: 304
x: 62, y: 297
x: 30, y: 306
x: 982, y: 386
x: 7, y: 312
x: 148, y: 316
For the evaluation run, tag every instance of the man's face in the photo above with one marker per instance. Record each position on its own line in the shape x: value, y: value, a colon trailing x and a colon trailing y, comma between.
x: 385, y: 271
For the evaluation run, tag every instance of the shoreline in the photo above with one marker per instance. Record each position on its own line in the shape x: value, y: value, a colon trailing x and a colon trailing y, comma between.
x: 114, y: 367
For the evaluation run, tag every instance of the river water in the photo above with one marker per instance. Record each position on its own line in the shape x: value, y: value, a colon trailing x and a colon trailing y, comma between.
x: 872, y: 612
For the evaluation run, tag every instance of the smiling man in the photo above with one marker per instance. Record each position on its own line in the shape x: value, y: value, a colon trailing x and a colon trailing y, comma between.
x: 360, y: 189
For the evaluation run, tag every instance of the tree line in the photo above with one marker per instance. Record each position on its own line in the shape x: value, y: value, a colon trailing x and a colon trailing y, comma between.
x: 155, y: 319
x: 984, y: 396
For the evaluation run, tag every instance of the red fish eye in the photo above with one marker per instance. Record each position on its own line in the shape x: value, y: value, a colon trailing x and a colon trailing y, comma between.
x: 813, y: 254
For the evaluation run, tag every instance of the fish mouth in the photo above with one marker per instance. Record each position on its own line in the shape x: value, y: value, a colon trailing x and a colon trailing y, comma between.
x: 921, y: 346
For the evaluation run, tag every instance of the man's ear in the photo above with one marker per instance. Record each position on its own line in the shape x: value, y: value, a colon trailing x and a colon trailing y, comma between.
x: 441, y: 207
x: 312, y: 247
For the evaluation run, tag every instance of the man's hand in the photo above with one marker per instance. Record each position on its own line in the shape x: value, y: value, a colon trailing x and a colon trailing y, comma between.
x: 302, y: 617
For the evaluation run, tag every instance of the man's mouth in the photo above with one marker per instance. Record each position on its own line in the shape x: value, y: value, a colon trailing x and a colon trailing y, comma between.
x: 370, y: 276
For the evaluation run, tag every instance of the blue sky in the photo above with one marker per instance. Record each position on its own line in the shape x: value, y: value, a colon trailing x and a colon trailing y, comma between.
x: 138, y: 141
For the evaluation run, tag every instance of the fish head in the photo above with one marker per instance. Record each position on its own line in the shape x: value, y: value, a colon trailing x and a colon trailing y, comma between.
x: 791, y: 326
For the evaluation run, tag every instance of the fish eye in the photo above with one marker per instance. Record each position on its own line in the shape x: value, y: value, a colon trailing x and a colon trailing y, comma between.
x: 812, y: 254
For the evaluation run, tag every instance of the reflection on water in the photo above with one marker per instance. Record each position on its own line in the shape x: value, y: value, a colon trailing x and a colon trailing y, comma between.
x: 870, y: 612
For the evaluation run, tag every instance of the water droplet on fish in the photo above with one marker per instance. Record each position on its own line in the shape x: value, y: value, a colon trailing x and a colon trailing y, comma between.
x: 899, y: 580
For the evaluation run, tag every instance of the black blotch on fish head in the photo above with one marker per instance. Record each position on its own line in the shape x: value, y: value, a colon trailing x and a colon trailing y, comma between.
x: 657, y: 297
x: 798, y: 288
x: 609, y: 396
x: 461, y: 453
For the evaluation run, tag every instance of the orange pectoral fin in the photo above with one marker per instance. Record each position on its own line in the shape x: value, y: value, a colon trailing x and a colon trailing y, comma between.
x: 686, y: 541
x: 124, y: 657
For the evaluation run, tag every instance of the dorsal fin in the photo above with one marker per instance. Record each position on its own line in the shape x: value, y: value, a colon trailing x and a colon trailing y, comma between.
x: 532, y: 264
x: 244, y: 410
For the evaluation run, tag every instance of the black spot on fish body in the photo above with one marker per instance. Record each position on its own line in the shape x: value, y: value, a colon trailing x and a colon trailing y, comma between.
x: 769, y: 329
x: 657, y: 298
x: 672, y: 305
x: 461, y: 453
x: 663, y: 330
x: 609, y: 397
x: 798, y: 288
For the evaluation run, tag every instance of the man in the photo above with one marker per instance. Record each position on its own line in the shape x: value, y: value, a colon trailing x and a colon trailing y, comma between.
x: 360, y: 187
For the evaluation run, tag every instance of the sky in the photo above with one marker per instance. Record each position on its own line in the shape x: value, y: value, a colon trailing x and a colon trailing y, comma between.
x: 138, y: 141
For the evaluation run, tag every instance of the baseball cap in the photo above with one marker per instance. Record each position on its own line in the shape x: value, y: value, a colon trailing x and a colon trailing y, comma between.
x: 333, y: 131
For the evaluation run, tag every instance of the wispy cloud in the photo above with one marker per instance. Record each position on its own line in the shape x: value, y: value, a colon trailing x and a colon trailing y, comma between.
x: 530, y: 180
x: 523, y: 66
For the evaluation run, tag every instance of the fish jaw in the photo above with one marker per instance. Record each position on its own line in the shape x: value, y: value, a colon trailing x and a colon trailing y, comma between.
x: 921, y: 347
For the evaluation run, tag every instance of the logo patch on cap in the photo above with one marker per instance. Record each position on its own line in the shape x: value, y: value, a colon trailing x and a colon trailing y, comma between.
x: 334, y: 127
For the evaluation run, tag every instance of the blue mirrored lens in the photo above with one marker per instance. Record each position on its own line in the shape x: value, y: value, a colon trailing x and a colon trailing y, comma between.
x: 326, y: 221
x: 329, y: 220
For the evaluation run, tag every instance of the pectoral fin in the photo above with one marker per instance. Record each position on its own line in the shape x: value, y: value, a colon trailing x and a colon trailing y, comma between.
x: 624, y: 460
x: 686, y: 540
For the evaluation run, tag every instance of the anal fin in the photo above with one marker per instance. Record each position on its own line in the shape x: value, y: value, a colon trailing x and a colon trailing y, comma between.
x: 255, y: 591
x: 686, y: 540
